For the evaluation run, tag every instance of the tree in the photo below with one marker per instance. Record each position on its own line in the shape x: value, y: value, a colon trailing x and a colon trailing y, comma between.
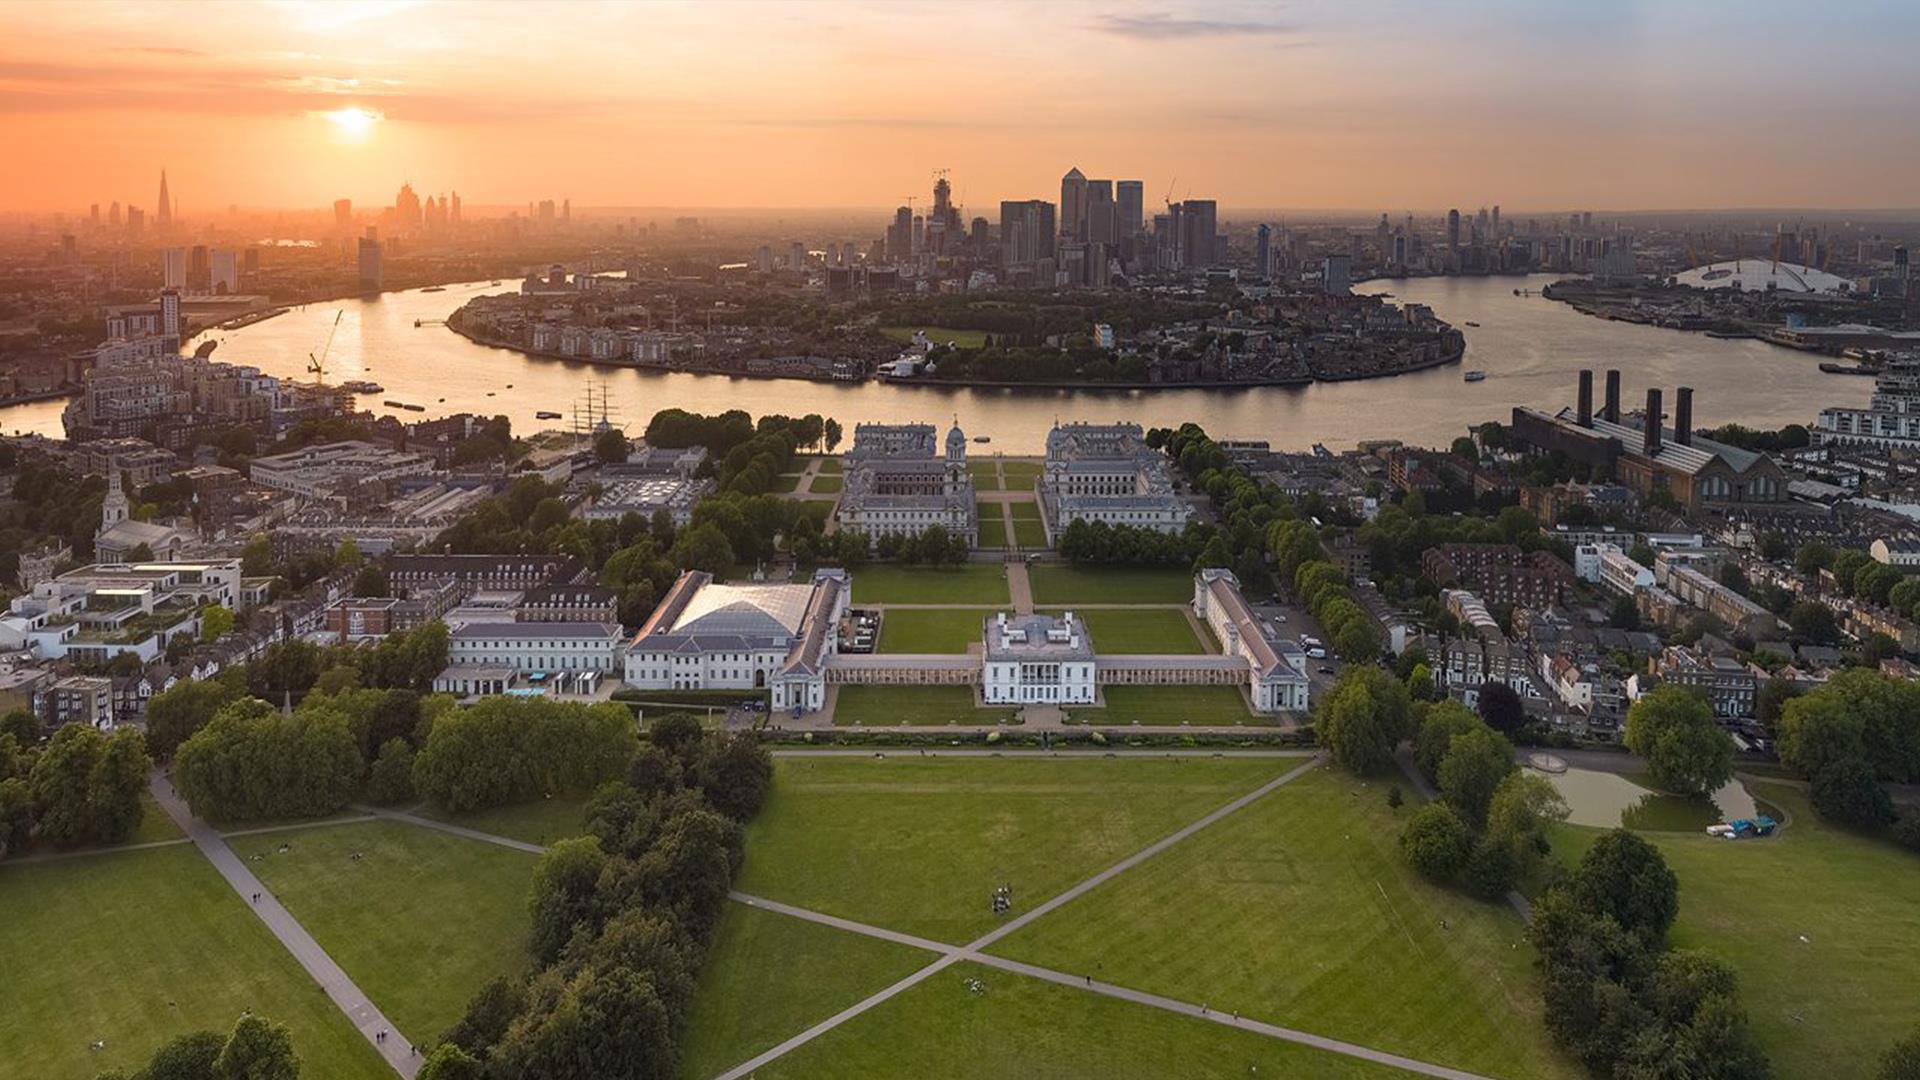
x: 1771, y: 701
x: 488, y: 1015
x: 63, y: 785
x: 174, y: 714
x: 193, y: 1056
x: 1687, y: 752
x: 1364, y: 718
x: 505, y: 750
x: 676, y: 734
x: 251, y: 762
x: 1500, y: 706
x: 1463, y: 447
x: 257, y: 1050
x: 391, y: 779
x: 1475, y: 763
x: 16, y: 816
x: 1445, y: 720
x: 1491, y: 869
x: 1523, y: 808
x: 449, y: 1062
x: 1846, y: 791
x: 1625, y: 878
x: 371, y: 581
x: 1902, y: 1059
x: 119, y: 780
x: 1812, y: 621
x: 563, y: 893
x: 734, y: 772
x: 1436, y: 842
x: 610, y: 445
x: 256, y: 558
x: 1813, y: 557
x: 215, y: 622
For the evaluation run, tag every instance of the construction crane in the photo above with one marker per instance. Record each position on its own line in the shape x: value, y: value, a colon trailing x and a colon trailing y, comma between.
x: 318, y: 364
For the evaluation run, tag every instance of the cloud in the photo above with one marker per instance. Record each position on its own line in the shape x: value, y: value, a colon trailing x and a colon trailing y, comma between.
x: 1169, y: 27
x: 160, y: 50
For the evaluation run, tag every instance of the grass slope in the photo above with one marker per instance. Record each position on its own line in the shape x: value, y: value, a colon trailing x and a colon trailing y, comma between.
x: 918, y: 844
x: 1827, y: 1006
x: 1028, y: 1027
x: 420, y: 921
x: 919, y: 706
x: 1059, y: 583
x: 137, y: 947
x: 1299, y: 911
x: 931, y: 630
x: 973, y: 583
x: 768, y: 977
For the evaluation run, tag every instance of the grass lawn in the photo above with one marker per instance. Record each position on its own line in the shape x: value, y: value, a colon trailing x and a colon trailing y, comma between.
x: 155, y: 825
x: 540, y: 822
x: 993, y: 530
x: 826, y: 484
x: 1029, y: 533
x: 972, y: 583
x: 931, y: 630
x: 1143, y: 630
x: 420, y: 921
x: 1826, y: 1006
x: 1299, y: 911
x: 1024, y: 510
x: 1021, y: 474
x: 1061, y: 583
x: 137, y: 947
x: 1201, y: 706
x: 768, y: 977
x: 917, y: 844
x: 786, y: 482
x: 1029, y: 1027
x: 939, y: 335
x: 985, y: 473
x: 919, y: 706
x: 830, y: 465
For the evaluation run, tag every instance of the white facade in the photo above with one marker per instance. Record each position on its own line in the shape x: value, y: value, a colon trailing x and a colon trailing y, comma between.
x: 707, y: 636
x: 529, y: 647
x: 897, y: 483
x: 1621, y: 574
x: 1038, y: 660
x: 1277, y: 680
x: 1107, y: 472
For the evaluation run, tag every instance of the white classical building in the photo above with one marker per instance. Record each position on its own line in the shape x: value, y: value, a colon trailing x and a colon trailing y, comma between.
x: 537, y: 647
x: 1038, y: 659
x: 1107, y: 472
x: 708, y: 636
x: 898, y: 483
x: 1277, y: 679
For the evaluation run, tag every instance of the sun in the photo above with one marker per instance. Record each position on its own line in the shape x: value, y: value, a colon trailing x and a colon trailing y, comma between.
x: 352, y: 123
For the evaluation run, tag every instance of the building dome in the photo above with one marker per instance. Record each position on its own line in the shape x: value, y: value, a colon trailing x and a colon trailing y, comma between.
x: 1759, y: 275
x: 956, y: 439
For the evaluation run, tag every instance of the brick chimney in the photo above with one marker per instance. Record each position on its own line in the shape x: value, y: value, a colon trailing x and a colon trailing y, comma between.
x: 1651, y: 443
x: 1586, y: 398
x: 1683, y: 416
x: 1610, y: 412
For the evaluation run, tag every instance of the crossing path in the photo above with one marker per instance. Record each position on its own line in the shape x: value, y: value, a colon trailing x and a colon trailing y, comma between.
x: 358, y: 1008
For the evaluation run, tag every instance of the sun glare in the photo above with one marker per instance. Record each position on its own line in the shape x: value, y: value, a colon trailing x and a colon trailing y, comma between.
x: 352, y: 123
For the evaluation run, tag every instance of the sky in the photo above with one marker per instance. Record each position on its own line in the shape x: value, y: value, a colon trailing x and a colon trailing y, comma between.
x: 1360, y: 104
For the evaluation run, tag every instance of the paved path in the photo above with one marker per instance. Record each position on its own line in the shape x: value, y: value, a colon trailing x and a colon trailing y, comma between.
x: 971, y: 950
x: 1020, y: 586
x: 348, y: 998
x: 456, y: 830
x: 944, y: 751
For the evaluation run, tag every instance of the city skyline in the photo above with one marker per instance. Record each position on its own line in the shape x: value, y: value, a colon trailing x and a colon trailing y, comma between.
x: 850, y: 105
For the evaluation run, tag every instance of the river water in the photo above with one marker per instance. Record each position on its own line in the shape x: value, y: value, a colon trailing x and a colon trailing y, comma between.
x: 1529, y: 346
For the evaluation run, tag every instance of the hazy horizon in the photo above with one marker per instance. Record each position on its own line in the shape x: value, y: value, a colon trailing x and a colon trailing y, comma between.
x: 1309, y: 107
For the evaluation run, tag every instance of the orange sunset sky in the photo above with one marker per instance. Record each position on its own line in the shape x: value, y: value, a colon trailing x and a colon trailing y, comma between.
x: 1361, y: 104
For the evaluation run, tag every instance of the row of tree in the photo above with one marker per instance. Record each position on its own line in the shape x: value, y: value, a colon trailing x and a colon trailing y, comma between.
x: 1848, y: 738
x: 622, y: 919
x: 81, y: 786
x: 256, y: 1049
x: 1488, y: 830
x: 1322, y: 587
x: 505, y: 750
x: 1097, y: 543
x: 933, y: 546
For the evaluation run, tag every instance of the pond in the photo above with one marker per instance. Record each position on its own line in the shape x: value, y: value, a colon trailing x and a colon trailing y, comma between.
x: 1607, y: 799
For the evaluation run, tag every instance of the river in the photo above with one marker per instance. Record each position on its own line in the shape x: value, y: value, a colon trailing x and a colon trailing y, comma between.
x: 1530, y: 348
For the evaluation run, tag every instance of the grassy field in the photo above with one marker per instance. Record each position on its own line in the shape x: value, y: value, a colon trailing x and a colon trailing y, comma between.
x: 931, y: 630
x: 1299, y: 911
x: 1144, y: 630
x: 993, y: 529
x: 1059, y: 583
x: 420, y: 921
x: 1024, y: 510
x: 968, y: 584
x: 826, y: 484
x: 1201, y: 706
x: 920, y: 706
x: 939, y: 335
x: 540, y: 822
x: 1828, y: 1005
x: 918, y: 844
x: 1020, y: 474
x: 786, y: 482
x: 1031, y: 1028
x: 1029, y: 533
x: 136, y: 947
x: 770, y: 976
x: 830, y: 465
x: 985, y: 473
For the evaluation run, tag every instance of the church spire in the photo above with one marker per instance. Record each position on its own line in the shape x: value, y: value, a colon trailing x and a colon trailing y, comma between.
x: 165, y: 215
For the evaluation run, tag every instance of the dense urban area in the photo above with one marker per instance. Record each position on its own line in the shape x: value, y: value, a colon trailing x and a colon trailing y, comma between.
x: 703, y: 743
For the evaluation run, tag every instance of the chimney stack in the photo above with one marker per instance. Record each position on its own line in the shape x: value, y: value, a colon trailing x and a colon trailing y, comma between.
x: 1611, y: 412
x: 1651, y: 443
x: 1585, y: 414
x: 1683, y: 416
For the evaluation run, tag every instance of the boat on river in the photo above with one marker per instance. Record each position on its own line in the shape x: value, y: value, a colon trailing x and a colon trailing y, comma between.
x: 1474, y: 376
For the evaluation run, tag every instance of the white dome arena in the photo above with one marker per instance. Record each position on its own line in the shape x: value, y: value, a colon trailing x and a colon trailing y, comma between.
x: 1759, y: 275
